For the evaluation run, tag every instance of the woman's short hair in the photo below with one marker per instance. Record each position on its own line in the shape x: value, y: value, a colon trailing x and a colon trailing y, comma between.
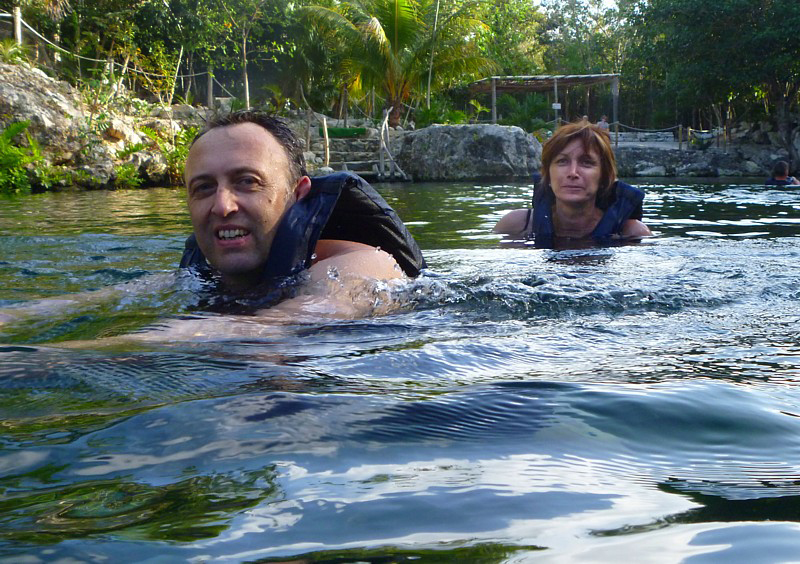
x: 594, y: 139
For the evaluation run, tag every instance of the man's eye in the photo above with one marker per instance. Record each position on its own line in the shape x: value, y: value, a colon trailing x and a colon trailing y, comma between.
x: 202, y: 189
x: 247, y: 181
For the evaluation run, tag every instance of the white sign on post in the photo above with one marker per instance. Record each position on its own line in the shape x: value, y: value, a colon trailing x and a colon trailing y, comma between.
x: 556, y: 106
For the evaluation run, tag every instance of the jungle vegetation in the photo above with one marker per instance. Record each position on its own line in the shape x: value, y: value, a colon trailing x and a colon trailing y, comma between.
x: 698, y: 63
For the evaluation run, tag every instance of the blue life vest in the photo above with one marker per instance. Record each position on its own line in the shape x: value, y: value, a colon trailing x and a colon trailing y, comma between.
x: 338, y: 206
x: 776, y: 182
x: 626, y: 204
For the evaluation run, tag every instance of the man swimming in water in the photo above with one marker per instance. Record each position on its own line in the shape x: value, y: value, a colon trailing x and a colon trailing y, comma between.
x: 258, y: 217
x: 259, y: 221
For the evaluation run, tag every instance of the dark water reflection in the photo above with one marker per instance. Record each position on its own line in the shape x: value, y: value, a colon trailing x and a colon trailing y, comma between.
x: 606, y: 404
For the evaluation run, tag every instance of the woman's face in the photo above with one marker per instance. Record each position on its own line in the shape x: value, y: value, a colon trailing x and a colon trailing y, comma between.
x: 575, y: 174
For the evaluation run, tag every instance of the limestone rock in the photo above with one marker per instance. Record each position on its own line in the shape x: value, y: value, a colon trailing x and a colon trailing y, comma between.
x: 461, y: 152
x: 52, y: 107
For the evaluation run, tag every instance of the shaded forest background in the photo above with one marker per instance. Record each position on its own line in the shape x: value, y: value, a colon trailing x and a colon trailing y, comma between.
x: 692, y: 62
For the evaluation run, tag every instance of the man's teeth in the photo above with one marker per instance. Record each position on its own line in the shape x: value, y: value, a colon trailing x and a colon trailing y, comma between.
x: 231, y: 233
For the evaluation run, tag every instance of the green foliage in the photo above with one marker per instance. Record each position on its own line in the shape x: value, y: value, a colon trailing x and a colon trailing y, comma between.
x: 14, y: 161
x: 130, y: 150
x: 513, y: 37
x: 237, y: 104
x: 527, y: 113
x: 722, y: 55
x: 173, y: 149
x: 127, y: 176
x: 11, y: 53
x: 345, y: 132
x: 479, y: 108
x: 441, y: 112
x: 387, y: 44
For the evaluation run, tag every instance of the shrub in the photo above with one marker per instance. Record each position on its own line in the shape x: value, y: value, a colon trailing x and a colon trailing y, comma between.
x: 174, y: 150
x: 15, y: 160
x: 11, y: 53
x: 127, y: 176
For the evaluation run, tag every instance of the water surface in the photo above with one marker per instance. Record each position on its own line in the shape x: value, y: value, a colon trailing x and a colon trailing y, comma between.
x: 611, y: 404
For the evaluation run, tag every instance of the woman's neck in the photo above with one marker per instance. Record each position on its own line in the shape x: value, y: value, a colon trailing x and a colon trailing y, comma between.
x: 575, y: 222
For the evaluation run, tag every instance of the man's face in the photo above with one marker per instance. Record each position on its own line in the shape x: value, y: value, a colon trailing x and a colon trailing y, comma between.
x: 239, y: 187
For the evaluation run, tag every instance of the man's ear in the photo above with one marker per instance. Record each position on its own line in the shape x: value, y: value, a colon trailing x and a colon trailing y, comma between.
x: 302, y: 188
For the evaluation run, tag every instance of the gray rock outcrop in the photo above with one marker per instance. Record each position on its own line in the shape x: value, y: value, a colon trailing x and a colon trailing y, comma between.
x: 469, y: 152
x: 735, y: 161
x: 53, y: 108
x: 89, y: 146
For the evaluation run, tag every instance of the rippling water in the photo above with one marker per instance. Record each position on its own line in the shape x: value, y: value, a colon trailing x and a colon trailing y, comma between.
x: 634, y: 403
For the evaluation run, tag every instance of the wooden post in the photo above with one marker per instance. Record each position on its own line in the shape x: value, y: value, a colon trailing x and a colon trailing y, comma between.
x: 308, y: 129
x: 346, y: 104
x: 494, y: 100
x: 18, y: 25
x: 381, y: 169
x: 325, y: 136
x: 680, y: 137
x: 555, y: 100
x: 210, y: 88
x: 725, y: 137
x: 615, y: 108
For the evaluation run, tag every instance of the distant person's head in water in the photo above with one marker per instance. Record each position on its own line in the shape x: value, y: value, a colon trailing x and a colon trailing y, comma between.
x: 780, y: 175
x: 579, y: 196
x: 780, y: 170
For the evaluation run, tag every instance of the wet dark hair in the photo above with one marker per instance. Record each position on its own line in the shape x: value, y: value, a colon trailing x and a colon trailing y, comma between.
x: 277, y: 127
x: 780, y: 168
x: 593, y: 138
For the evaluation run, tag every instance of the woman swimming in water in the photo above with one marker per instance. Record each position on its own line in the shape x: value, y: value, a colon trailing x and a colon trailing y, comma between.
x: 579, y: 196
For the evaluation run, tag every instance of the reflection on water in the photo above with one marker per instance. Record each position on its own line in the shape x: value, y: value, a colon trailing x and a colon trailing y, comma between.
x: 600, y: 404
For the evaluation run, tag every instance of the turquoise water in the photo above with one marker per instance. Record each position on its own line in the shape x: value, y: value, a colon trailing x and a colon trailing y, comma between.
x: 634, y: 403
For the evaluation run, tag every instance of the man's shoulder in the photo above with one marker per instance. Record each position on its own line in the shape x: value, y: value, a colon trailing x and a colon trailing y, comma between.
x: 350, y: 258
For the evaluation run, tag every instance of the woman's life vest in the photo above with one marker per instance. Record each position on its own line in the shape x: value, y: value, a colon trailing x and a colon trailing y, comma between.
x: 625, y: 204
x: 338, y: 206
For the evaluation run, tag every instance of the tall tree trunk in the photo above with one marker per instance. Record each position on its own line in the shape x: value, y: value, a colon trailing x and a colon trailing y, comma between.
x: 396, y: 113
x: 244, y: 73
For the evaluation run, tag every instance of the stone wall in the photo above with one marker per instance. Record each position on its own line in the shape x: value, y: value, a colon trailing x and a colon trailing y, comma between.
x: 737, y: 161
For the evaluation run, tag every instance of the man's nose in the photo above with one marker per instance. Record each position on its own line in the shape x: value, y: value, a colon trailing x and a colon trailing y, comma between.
x: 224, y: 201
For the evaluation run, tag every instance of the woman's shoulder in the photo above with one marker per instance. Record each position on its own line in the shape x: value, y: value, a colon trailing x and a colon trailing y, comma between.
x: 513, y: 223
x: 635, y: 228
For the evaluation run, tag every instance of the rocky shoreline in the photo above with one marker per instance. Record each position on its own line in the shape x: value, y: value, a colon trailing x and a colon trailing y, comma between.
x: 94, y: 141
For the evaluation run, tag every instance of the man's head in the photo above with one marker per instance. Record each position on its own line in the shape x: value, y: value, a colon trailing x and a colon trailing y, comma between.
x: 243, y: 172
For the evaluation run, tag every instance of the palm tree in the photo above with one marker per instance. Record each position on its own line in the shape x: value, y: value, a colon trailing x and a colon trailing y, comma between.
x: 387, y: 44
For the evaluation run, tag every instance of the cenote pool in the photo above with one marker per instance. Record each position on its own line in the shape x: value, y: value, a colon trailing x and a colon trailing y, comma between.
x: 631, y: 403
